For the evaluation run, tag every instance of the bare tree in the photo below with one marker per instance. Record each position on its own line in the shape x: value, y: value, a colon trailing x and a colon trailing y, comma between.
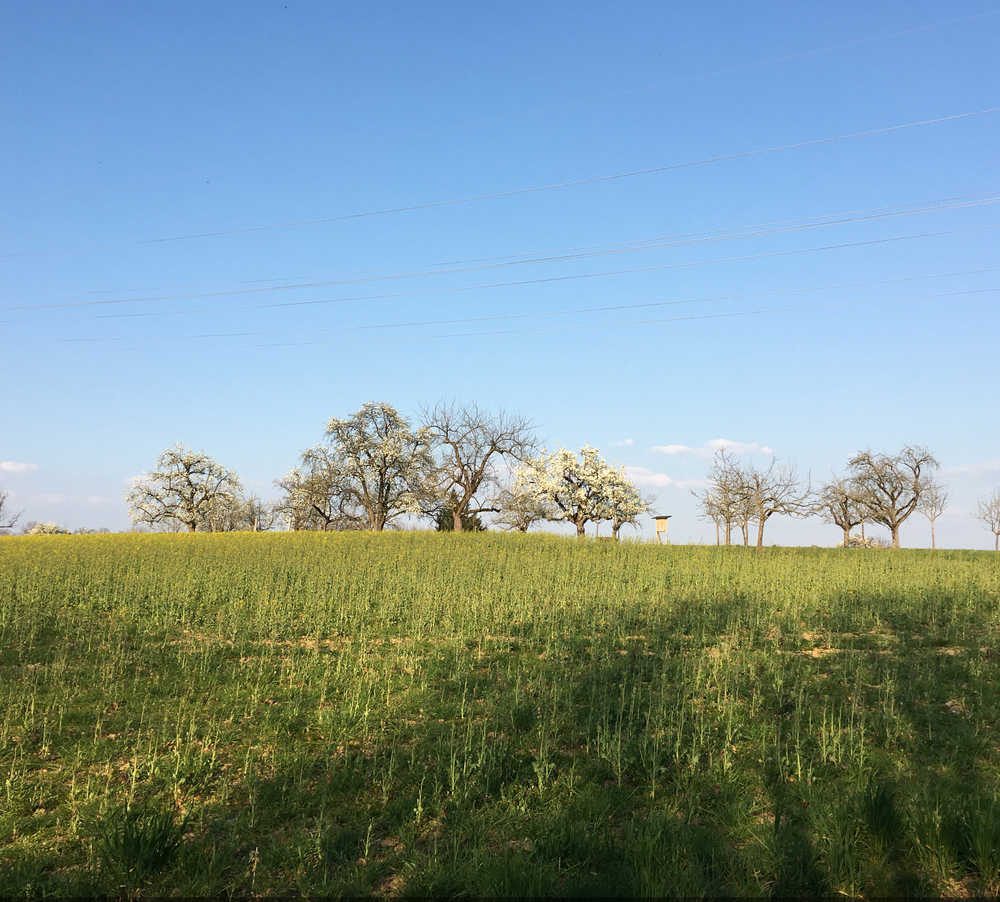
x: 988, y: 510
x: 712, y: 510
x: 182, y: 489
x: 384, y: 465
x: 744, y: 511
x: 889, y: 485
x: 775, y: 490
x: 473, y: 444
x: 932, y: 503
x: 721, y: 501
x: 837, y: 504
x: 8, y: 519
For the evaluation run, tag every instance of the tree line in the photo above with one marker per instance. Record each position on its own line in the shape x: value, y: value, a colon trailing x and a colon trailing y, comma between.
x: 881, y: 488
x: 460, y: 464
x: 462, y: 467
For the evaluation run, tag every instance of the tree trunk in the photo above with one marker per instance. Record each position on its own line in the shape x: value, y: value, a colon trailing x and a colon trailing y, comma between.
x: 760, y: 536
x: 895, y: 537
x: 996, y: 546
x: 579, y: 529
x: 933, y: 546
x: 729, y: 532
x: 192, y: 527
x: 847, y: 536
x: 456, y: 516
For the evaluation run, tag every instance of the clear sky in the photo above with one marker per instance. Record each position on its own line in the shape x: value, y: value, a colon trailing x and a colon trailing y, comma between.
x: 814, y: 300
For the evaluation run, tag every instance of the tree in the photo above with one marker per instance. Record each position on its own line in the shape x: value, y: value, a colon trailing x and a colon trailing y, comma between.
x: 183, y: 489
x: 838, y: 505
x: 8, y: 519
x: 775, y: 490
x: 575, y: 488
x: 383, y: 466
x: 623, y: 503
x: 743, y: 511
x: 933, y: 501
x: 46, y: 529
x: 988, y: 510
x: 721, y: 501
x: 240, y: 514
x: 712, y: 510
x: 317, y: 494
x: 521, y: 508
x: 472, y: 443
x: 889, y: 486
x: 445, y: 517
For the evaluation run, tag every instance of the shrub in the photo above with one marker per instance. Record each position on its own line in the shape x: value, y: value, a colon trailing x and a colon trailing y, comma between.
x: 858, y: 541
x: 46, y: 529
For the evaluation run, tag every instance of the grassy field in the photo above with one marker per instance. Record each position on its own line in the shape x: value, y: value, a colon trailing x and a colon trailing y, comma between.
x: 424, y: 714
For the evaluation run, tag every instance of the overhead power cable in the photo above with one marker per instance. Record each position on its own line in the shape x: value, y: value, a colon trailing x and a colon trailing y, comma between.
x: 539, y: 281
x: 585, y: 247
x: 597, y: 98
x: 695, y: 238
x: 601, y: 325
x: 512, y: 193
x: 515, y: 316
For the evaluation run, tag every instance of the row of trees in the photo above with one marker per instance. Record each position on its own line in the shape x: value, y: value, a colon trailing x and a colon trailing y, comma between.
x: 374, y: 468
x: 885, y: 489
x: 879, y: 488
x: 738, y: 496
x: 463, y: 463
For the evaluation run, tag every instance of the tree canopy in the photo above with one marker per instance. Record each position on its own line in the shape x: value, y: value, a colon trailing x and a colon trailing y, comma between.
x: 185, y: 488
x: 889, y: 486
x: 580, y: 489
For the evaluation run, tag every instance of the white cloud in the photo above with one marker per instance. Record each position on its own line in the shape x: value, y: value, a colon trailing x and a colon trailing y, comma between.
x: 12, y: 466
x: 974, y: 471
x: 645, y: 477
x: 713, y: 446
x: 627, y: 442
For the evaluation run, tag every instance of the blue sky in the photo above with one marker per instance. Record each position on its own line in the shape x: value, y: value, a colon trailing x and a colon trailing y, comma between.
x: 124, y: 123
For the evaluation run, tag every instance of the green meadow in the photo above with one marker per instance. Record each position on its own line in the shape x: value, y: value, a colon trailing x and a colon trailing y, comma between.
x: 421, y: 714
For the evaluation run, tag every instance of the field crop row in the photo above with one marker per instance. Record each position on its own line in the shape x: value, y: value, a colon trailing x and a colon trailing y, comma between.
x: 459, y: 715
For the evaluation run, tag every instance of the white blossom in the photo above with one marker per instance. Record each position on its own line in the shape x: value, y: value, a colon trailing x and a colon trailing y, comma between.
x: 580, y: 489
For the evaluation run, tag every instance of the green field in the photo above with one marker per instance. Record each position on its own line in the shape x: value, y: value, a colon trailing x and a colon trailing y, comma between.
x: 425, y: 714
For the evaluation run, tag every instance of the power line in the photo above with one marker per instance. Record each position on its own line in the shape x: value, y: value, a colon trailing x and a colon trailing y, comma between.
x: 511, y: 193
x: 871, y: 215
x: 585, y: 247
x: 600, y: 97
x: 642, y: 322
x: 539, y: 281
x: 534, y: 315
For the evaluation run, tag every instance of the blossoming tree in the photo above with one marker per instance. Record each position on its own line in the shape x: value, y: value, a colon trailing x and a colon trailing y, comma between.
x: 581, y: 489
